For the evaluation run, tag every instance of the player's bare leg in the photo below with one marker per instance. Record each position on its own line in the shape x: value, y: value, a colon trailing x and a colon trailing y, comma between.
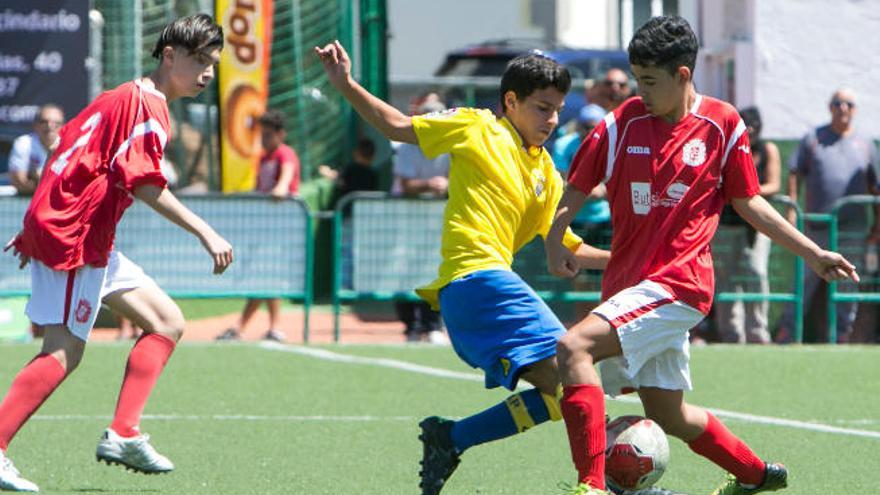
x: 250, y: 309
x: 441, y: 452
x: 583, y: 400
x: 707, y: 436
x: 274, y: 333
x: 60, y: 355
x: 162, y: 322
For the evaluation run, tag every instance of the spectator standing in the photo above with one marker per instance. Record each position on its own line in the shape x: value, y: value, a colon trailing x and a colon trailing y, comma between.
x: 29, y: 152
x: 595, y: 214
x: 613, y: 90
x: 832, y: 161
x: 279, y: 177
x: 742, y: 265
x: 415, y: 175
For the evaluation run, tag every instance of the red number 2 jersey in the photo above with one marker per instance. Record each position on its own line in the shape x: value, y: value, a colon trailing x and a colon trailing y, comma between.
x: 113, y: 146
x: 666, y: 186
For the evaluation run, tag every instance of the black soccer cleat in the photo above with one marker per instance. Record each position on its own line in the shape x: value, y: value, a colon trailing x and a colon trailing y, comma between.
x: 439, y: 457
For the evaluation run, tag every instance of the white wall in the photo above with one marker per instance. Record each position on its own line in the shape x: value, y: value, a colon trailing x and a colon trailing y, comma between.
x: 423, y: 31
x: 587, y: 23
x: 805, y: 50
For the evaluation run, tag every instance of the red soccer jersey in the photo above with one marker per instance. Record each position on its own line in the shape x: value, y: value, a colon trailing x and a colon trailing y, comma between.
x: 666, y: 186
x: 113, y: 146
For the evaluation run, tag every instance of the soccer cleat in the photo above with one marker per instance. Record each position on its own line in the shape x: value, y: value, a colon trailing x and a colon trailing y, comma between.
x: 775, y: 478
x: 135, y: 453
x: 581, y: 489
x: 10, y: 478
x: 439, y: 458
x: 229, y: 334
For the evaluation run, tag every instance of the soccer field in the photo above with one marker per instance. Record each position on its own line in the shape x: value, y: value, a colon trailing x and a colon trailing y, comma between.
x: 251, y: 419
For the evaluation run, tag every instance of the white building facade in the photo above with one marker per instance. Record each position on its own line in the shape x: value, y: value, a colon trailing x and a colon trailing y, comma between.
x: 784, y: 56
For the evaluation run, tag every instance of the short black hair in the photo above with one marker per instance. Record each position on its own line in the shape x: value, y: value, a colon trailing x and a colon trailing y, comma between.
x: 751, y: 118
x: 527, y: 73
x: 273, y: 119
x: 366, y: 147
x: 195, y: 32
x: 667, y: 42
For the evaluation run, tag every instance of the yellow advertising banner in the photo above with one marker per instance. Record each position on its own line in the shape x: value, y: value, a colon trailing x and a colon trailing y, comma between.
x: 243, y: 78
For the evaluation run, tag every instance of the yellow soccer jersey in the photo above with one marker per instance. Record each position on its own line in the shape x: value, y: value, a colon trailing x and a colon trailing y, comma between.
x: 501, y: 194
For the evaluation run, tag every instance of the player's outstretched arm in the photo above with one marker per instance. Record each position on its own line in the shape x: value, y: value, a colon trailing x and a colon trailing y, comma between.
x: 592, y: 258
x: 560, y: 261
x: 829, y: 265
x: 167, y: 205
x: 385, y: 118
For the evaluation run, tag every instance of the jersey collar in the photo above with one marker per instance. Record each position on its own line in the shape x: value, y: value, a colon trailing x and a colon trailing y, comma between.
x: 149, y: 88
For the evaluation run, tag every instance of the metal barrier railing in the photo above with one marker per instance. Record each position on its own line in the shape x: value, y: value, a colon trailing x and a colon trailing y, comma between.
x: 273, y: 242
x: 796, y: 296
x: 386, y: 259
x: 834, y: 295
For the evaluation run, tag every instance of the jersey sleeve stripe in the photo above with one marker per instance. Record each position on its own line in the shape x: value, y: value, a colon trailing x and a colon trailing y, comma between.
x: 740, y: 129
x: 142, y: 129
x: 611, y: 129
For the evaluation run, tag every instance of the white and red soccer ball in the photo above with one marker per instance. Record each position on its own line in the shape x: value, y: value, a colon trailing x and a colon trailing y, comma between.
x: 636, y: 454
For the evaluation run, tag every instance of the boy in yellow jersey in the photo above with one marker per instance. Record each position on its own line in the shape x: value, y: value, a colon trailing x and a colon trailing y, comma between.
x: 503, y: 191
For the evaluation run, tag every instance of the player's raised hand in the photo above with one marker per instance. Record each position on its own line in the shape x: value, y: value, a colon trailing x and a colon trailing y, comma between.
x: 560, y: 261
x: 833, y: 266
x: 23, y: 259
x: 336, y: 62
x: 220, y: 251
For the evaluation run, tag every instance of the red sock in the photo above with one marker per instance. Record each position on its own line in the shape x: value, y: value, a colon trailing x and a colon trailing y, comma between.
x: 723, y: 448
x: 583, y: 407
x: 31, y: 387
x: 145, y: 364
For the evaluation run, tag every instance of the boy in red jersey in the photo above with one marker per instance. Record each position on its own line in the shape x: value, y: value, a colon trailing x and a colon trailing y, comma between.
x: 670, y: 159
x: 107, y: 155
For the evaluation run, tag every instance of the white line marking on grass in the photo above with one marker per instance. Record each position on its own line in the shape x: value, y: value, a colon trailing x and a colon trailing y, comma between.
x: 226, y: 417
x: 384, y: 362
x: 428, y: 370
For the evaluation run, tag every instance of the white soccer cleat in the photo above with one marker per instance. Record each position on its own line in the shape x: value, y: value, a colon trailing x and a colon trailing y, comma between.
x: 134, y: 453
x: 10, y: 478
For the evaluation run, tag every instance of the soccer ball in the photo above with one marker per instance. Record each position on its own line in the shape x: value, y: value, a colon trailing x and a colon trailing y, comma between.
x: 636, y: 454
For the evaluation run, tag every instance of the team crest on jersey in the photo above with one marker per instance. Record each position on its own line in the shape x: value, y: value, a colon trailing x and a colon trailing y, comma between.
x: 83, y: 311
x: 539, y: 181
x: 694, y: 153
x: 505, y: 365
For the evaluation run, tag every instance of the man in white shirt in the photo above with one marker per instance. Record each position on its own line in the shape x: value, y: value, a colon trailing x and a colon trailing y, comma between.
x: 29, y: 152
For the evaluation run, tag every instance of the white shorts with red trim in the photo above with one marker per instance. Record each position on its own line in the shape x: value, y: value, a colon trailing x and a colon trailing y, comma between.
x: 653, y: 330
x: 74, y: 297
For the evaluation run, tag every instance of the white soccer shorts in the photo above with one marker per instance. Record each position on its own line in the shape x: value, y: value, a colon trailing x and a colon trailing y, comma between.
x: 74, y: 297
x: 653, y: 330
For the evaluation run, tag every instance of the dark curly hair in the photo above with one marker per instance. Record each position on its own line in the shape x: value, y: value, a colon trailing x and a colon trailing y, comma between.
x: 667, y: 42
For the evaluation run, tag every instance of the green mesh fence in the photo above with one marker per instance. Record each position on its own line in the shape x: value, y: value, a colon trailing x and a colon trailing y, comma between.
x: 319, y: 122
x: 318, y: 118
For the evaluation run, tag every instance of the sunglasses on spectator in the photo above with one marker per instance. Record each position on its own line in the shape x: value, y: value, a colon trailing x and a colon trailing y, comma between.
x: 619, y: 84
x: 841, y: 103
